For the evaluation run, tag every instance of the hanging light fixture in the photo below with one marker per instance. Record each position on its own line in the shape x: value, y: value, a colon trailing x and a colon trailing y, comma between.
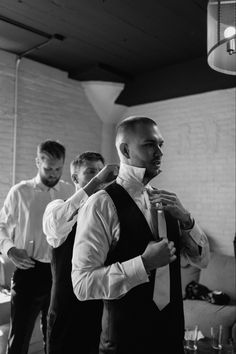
x: 221, y: 35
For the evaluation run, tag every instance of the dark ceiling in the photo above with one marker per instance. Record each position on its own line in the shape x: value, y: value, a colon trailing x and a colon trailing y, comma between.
x: 110, y: 40
x: 103, y: 38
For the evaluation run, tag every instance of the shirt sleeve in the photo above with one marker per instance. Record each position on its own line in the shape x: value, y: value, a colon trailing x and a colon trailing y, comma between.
x: 8, y: 221
x: 195, y: 247
x: 60, y: 216
x: 98, y: 231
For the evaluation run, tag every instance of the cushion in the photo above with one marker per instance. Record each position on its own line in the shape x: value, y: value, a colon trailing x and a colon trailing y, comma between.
x: 220, y: 274
x: 206, y: 315
x: 188, y: 274
x: 196, y: 291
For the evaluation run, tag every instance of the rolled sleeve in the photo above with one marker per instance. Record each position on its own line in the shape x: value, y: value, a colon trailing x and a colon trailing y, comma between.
x: 6, y: 245
x: 195, y: 247
x: 60, y: 216
x: 198, y: 236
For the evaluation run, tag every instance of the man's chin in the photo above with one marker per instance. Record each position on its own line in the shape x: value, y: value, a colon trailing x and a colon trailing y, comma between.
x: 50, y: 184
x: 153, y: 173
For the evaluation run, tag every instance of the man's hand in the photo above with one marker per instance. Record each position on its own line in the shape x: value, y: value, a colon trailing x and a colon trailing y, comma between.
x: 105, y: 176
x: 164, y: 200
x: 20, y: 258
x: 108, y: 173
x: 158, y: 254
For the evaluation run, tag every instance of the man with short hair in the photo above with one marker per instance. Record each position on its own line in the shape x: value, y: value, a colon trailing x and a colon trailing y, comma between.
x: 127, y: 250
x: 72, y: 323
x: 23, y: 241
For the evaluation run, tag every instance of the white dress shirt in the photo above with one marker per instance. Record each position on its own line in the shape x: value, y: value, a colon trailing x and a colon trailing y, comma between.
x: 22, y: 213
x: 58, y: 220
x: 98, y: 230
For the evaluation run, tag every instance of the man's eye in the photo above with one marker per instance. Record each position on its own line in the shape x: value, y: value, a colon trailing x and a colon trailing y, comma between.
x: 90, y: 170
x: 149, y: 144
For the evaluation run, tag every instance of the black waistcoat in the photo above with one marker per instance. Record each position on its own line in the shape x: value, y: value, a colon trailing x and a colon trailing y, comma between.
x: 71, y: 323
x: 133, y: 324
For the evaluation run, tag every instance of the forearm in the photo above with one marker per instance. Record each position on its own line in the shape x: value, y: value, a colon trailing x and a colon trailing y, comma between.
x: 92, y: 186
x: 111, y: 282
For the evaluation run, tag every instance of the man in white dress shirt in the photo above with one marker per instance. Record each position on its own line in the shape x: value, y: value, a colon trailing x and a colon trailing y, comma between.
x: 23, y: 241
x: 120, y: 246
x: 72, y: 323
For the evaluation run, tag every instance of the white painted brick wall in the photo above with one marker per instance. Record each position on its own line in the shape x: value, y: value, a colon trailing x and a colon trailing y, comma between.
x: 6, y: 121
x: 199, y: 132
x: 50, y: 105
x: 199, y: 158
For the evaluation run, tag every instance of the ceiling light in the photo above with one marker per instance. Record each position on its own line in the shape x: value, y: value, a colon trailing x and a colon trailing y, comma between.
x: 229, y: 32
x: 221, y: 35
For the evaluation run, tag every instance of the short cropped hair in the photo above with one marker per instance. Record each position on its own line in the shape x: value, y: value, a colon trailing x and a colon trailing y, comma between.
x: 128, y: 124
x: 53, y: 149
x: 86, y: 156
x: 127, y: 127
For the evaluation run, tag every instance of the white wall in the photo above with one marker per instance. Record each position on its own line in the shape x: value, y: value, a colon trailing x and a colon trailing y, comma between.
x: 49, y: 106
x: 199, y: 158
x: 199, y: 132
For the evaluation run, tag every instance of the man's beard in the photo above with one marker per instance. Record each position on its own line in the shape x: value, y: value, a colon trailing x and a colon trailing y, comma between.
x: 49, y: 183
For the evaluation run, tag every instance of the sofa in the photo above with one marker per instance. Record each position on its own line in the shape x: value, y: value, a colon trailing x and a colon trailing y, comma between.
x: 6, y: 271
x: 219, y: 275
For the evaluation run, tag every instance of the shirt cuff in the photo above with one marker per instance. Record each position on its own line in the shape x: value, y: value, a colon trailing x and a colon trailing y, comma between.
x: 196, y: 235
x: 135, y: 271
x: 6, y: 246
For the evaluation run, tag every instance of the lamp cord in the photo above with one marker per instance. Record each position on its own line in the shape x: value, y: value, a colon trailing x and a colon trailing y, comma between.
x: 218, y: 20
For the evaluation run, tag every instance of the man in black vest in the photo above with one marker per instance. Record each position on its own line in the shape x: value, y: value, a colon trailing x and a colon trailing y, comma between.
x: 73, y: 326
x: 127, y: 250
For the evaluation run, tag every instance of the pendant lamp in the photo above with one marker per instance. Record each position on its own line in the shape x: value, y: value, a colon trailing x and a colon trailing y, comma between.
x: 221, y: 35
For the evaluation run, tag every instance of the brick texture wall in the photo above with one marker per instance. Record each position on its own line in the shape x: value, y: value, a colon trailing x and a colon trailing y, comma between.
x: 49, y: 106
x: 199, y: 158
x: 199, y: 132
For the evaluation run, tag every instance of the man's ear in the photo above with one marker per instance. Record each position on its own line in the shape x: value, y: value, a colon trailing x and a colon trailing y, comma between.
x: 124, y: 149
x: 74, y: 178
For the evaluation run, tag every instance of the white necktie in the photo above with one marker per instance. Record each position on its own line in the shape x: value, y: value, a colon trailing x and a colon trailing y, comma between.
x: 161, y: 295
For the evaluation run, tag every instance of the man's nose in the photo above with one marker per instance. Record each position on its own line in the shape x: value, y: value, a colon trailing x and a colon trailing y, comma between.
x: 53, y: 174
x: 158, y: 151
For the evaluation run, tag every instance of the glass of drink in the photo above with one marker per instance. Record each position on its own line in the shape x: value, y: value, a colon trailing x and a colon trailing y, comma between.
x: 190, y: 338
x: 216, y: 337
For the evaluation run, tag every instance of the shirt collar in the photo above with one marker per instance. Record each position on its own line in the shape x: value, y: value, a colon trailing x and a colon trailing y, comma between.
x: 131, y: 177
x: 38, y: 184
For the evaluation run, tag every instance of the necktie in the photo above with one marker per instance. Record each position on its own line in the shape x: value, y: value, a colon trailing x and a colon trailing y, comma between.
x: 161, y: 295
x: 147, y: 208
